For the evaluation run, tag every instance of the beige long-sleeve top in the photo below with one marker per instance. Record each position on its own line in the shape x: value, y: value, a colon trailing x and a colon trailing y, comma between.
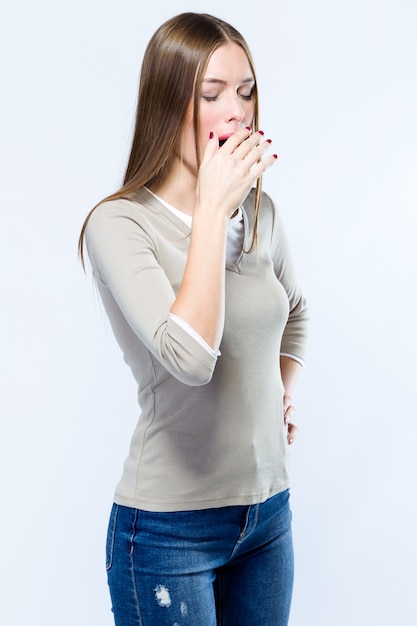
x: 211, y: 430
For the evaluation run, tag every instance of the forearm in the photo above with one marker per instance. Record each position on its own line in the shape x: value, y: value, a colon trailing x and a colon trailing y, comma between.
x: 290, y: 371
x: 201, y: 298
x: 225, y: 177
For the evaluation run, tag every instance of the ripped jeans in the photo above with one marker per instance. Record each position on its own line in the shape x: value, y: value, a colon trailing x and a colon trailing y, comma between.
x: 230, y: 566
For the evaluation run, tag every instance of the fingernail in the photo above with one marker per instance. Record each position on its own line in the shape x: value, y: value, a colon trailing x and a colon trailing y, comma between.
x: 269, y: 140
x: 248, y: 128
x: 211, y: 134
x: 261, y: 132
x: 275, y: 156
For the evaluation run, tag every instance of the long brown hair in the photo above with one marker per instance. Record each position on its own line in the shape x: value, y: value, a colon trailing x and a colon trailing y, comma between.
x: 172, y: 72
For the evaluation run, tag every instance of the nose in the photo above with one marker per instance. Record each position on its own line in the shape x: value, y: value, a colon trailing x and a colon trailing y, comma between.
x: 235, y: 110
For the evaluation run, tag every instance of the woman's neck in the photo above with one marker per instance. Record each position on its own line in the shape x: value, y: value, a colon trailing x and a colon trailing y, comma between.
x: 179, y: 188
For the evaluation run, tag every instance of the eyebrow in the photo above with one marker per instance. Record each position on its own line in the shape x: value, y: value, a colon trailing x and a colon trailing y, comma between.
x: 224, y: 82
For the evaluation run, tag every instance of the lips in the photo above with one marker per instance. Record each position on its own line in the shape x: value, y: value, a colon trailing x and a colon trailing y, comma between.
x: 224, y: 138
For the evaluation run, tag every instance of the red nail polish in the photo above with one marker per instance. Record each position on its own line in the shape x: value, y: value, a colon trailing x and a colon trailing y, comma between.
x: 275, y: 156
x: 269, y: 140
x: 248, y: 128
x: 211, y: 134
x: 261, y: 132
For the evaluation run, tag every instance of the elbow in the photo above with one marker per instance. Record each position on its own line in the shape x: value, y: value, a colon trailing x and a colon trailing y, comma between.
x: 195, y: 378
x: 185, y: 358
x: 194, y: 373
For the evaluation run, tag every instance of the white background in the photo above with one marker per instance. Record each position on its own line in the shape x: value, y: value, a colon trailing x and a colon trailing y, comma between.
x: 338, y: 90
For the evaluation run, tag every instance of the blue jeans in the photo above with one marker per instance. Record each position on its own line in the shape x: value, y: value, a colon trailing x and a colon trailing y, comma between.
x: 230, y: 566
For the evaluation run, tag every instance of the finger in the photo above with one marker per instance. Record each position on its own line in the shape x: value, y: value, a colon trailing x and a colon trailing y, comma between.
x: 292, y: 433
x: 261, y: 166
x: 252, y: 142
x: 242, y: 143
x: 249, y: 148
x: 235, y: 140
x: 255, y: 155
x: 211, y: 147
x: 289, y: 413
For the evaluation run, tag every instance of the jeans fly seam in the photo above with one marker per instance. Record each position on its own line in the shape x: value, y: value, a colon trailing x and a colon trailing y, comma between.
x: 242, y: 534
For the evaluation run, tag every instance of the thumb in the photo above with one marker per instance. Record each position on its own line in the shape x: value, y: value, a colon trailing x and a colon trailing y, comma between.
x: 211, y: 148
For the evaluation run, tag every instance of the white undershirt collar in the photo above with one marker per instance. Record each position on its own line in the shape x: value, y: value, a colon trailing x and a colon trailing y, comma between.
x: 235, y: 230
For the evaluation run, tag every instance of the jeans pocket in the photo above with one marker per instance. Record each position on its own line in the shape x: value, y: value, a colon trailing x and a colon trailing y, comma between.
x: 111, y: 534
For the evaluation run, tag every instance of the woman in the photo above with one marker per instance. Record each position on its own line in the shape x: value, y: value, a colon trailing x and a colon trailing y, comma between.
x: 195, y: 275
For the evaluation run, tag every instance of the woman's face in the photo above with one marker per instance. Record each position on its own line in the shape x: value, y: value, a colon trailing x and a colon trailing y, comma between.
x: 226, y: 100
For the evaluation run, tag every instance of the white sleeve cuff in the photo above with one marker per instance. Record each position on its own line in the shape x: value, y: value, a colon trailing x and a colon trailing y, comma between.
x: 292, y: 356
x: 193, y: 333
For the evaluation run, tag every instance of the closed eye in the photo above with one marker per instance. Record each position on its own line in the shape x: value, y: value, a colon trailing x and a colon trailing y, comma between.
x: 246, y: 96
